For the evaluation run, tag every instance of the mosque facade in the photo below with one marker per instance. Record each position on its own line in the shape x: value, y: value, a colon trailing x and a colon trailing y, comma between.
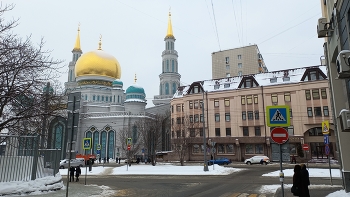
x: 105, y: 106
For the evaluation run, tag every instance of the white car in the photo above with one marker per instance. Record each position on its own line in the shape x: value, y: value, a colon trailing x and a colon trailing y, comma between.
x: 73, y: 162
x: 257, y: 160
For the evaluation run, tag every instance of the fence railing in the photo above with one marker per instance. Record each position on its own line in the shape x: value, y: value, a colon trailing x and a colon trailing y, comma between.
x: 22, y: 160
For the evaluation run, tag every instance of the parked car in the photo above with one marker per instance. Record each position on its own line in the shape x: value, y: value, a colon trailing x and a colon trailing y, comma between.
x: 73, y: 162
x: 133, y: 160
x: 220, y: 161
x: 257, y: 160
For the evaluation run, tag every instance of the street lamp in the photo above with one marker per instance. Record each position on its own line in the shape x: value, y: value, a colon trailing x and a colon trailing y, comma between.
x: 204, y: 139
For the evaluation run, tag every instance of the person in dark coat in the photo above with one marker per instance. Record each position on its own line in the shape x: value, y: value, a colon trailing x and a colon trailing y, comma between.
x: 305, y: 181
x: 77, y: 173
x: 297, y: 179
x: 71, y: 175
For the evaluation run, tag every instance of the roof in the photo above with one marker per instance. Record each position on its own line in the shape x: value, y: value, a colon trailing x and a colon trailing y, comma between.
x: 262, y: 79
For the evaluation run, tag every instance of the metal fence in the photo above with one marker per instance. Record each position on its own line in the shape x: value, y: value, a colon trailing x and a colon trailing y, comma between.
x: 22, y: 160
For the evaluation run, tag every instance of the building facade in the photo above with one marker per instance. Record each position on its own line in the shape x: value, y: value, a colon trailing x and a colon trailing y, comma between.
x: 170, y: 77
x: 237, y: 62
x: 235, y: 108
x: 334, y: 28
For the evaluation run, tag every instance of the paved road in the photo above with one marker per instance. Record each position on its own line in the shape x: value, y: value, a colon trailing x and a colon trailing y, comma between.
x: 240, y: 184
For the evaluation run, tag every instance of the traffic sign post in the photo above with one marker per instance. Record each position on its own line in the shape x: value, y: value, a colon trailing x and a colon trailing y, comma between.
x: 306, y: 149
x: 278, y: 116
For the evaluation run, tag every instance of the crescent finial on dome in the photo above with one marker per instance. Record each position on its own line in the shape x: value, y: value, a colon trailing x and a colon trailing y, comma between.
x: 100, y: 43
x: 135, y: 79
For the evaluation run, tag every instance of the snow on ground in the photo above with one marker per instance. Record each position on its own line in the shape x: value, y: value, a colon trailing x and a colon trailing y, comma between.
x: 160, y: 169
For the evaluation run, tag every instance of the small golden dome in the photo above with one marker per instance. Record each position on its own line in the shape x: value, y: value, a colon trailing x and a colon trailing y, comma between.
x: 98, y: 63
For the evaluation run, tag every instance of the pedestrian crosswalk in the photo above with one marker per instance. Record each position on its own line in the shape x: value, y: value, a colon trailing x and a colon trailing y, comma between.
x: 243, y: 195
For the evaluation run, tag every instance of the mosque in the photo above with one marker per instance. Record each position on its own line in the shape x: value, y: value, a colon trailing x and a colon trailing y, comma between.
x: 105, y: 107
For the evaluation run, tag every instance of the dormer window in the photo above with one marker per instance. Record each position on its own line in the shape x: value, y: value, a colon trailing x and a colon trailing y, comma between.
x: 273, y: 80
x: 227, y: 85
x: 216, y: 86
x: 248, y: 82
x: 313, y: 74
x: 195, y: 89
x: 286, y: 78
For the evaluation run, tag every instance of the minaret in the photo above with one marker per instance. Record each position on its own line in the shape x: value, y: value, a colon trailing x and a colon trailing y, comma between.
x: 169, y: 78
x: 71, y: 83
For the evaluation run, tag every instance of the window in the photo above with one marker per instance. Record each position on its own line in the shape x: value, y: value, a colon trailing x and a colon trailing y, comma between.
x: 245, y: 131
x: 182, y: 106
x: 227, y: 102
x: 227, y: 85
x: 216, y: 103
x: 183, y: 120
x: 195, y: 89
x: 102, y: 98
x: 274, y: 98
x: 217, y: 117
x: 243, y: 115
x: 257, y: 131
x: 293, y: 149
x: 290, y: 113
x: 227, y: 117
x: 259, y: 149
x: 313, y: 75
x: 323, y: 94
x: 178, y: 134
x: 178, y: 108
x: 239, y: 65
x: 317, y: 111
x: 190, y: 103
x: 287, y: 97
x: 221, y: 148
x: 248, y: 83
x: 325, y: 111
x: 239, y: 73
x: 228, y: 75
x: 255, y: 99
x: 250, y: 115
x: 192, y: 132
x: 243, y: 100
x: 309, y: 112
x: 227, y: 67
x: 201, y: 132
x: 183, y: 133
x: 228, y: 131
x: 196, y: 104
x: 256, y: 113
x: 201, y: 119
x: 286, y: 78
x: 315, y: 94
x: 239, y: 57
x: 290, y: 130
x: 200, y: 104
x: 227, y: 60
x: 229, y: 148
x: 307, y: 95
x: 196, y: 118
x: 249, y: 149
x: 178, y: 120
x: 217, y: 132
x: 195, y: 148
x: 249, y: 100
x: 316, y: 131
x: 273, y: 80
x: 191, y: 118
x: 216, y: 86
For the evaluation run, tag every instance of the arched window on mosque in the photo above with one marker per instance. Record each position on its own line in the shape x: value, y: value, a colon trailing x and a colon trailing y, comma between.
x: 110, y: 99
x: 110, y: 150
x: 166, y: 88
x: 172, y: 65
x: 94, y: 97
x: 174, y: 88
x: 96, y: 139
x: 134, y: 134
x: 103, y: 144
x: 172, y: 46
x: 102, y: 98
x: 106, y: 98
x: 118, y: 99
x: 88, y: 135
x: 98, y: 97
x: 71, y: 75
x: 163, y: 66
x: 86, y: 97
x: 167, y: 65
x: 160, y: 89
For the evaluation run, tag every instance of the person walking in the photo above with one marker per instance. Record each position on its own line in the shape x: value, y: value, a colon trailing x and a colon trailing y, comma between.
x: 305, y: 181
x: 296, y: 180
x: 77, y: 173
x: 71, y: 176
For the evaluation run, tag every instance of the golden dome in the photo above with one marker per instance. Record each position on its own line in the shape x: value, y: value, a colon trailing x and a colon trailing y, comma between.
x: 97, y: 63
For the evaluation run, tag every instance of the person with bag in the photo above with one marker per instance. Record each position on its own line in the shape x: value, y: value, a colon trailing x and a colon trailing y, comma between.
x: 305, y: 181
x: 296, y: 180
x: 77, y: 173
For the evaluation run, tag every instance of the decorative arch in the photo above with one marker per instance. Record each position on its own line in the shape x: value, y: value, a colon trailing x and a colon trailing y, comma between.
x: 174, y: 88
x: 111, y: 145
x: 103, y: 144
x: 172, y: 66
x: 88, y: 134
x: 167, y: 65
x: 166, y: 88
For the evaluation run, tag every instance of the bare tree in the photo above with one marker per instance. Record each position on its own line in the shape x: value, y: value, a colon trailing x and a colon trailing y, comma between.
x: 187, y: 130
x: 122, y: 137
x: 25, y: 70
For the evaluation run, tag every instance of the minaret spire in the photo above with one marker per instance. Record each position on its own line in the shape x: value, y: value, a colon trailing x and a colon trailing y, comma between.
x: 77, y: 41
x: 170, y: 28
x: 135, y: 79
x: 100, y: 43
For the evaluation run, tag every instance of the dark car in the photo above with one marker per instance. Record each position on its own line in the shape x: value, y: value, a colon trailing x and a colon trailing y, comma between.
x: 220, y: 161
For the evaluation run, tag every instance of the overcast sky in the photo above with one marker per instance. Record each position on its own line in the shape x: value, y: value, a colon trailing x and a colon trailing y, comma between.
x: 133, y: 31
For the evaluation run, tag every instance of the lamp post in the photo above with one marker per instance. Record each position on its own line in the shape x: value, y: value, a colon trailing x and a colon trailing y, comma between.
x: 204, y: 139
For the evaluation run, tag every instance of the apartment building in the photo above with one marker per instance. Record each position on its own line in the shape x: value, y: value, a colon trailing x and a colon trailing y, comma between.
x: 237, y: 62
x: 234, y: 114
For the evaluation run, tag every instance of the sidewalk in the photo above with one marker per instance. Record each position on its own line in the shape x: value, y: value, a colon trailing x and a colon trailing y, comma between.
x: 314, y: 191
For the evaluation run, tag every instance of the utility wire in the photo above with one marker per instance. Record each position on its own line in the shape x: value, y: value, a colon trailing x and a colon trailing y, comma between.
x: 217, y: 35
x: 234, y: 13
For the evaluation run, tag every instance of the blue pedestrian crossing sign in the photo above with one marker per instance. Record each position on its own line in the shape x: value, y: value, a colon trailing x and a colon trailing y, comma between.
x: 87, y: 143
x: 278, y: 116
